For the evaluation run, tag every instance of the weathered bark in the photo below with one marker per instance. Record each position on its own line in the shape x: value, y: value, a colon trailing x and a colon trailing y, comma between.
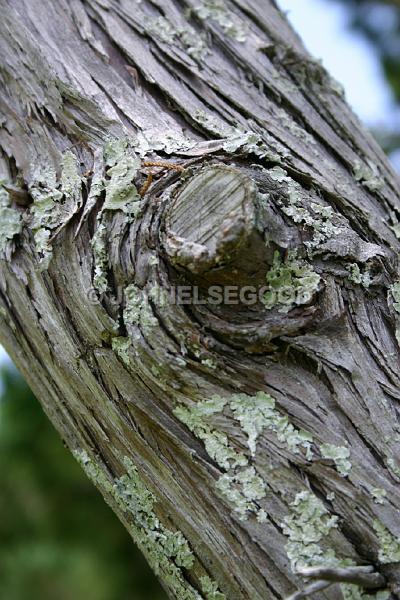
x: 240, y: 444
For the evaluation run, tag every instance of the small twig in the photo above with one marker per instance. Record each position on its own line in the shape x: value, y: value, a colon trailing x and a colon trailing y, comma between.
x: 150, y: 176
x: 313, y: 588
x: 364, y: 576
x: 164, y: 165
x: 146, y: 185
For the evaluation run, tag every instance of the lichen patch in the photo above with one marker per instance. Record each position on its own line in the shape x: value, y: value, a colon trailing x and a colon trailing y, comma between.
x: 10, y: 221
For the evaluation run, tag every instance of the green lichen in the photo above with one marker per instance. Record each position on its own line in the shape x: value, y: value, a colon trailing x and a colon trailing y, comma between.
x: 46, y: 211
x: 291, y: 282
x: 216, y: 10
x: 395, y: 292
x: 10, y: 221
x: 319, y: 218
x: 54, y: 203
x: 167, y: 551
x: 340, y: 455
x: 190, y: 39
x: 211, y: 122
x: 368, y: 175
x: 123, y: 164
x: 159, y: 295
x: 389, y: 551
x: 210, y: 589
x: 99, y: 246
x: 262, y: 516
x: 209, y: 362
x: 248, y: 142
x: 306, y: 527
x: 256, y: 413
x: 197, y: 419
x: 379, y: 495
x: 354, y: 592
x: 295, y: 129
x: 357, y: 276
x: 169, y: 141
x: 393, y: 466
x: 138, y: 310
x: 241, y: 485
x: 394, y: 296
x: 242, y: 489
x: 71, y: 182
x: 121, y: 346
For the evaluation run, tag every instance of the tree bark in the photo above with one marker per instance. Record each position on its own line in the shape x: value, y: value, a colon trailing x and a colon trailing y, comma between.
x: 249, y: 445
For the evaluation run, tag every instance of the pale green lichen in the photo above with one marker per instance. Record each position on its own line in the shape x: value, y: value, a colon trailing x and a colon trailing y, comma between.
x: 291, y: 282
x: 295, y: 129
x: 379, y: 495
x: 46, y: 212
x: 395, y: 292
x: 191, y: 40
x: 138, y: 310
x: 368, y: 175
x: 319, y: 218
x: 121, y: 346
x: 210, y: 589
x: 99, y: 246
x: 307, y: 525
x: 394, y: 295
x: 308, y: 528
x: 354, y: 592
x: 242, y: 489
x: 241, y: 485
x: 123, y: 164
x: 249, y: 142
x: 389, y: 551
x: 256, y: 413
x: 357, y: 276
x: 395, y: 227
x: 393, y: 466
x: 159, y: 295
x: 197, y: 419
x: 216, y: 10
x: 211, y: 122
x: 54, y: 202
x: 209, y: 362
x: 167, y: 551
x: 169, y: 141
x: 10, y: 220
x: 340, y: 455
x: 71, y: 183
x: 262, y: 516
x: 246, y: 141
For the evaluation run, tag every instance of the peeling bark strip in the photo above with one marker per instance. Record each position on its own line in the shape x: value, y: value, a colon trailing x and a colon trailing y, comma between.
x: 251, y: 447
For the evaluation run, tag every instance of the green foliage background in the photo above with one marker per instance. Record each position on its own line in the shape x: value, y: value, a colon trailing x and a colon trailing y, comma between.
x: 58, y: 538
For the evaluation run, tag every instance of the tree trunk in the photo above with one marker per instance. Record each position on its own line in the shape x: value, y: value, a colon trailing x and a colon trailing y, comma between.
x: 199, y: 264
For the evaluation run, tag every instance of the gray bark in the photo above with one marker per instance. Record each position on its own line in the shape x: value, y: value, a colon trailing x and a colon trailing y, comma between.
x: 248, y: 447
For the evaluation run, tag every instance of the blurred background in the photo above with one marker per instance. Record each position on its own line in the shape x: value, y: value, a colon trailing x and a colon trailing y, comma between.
x: 58, y: 539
